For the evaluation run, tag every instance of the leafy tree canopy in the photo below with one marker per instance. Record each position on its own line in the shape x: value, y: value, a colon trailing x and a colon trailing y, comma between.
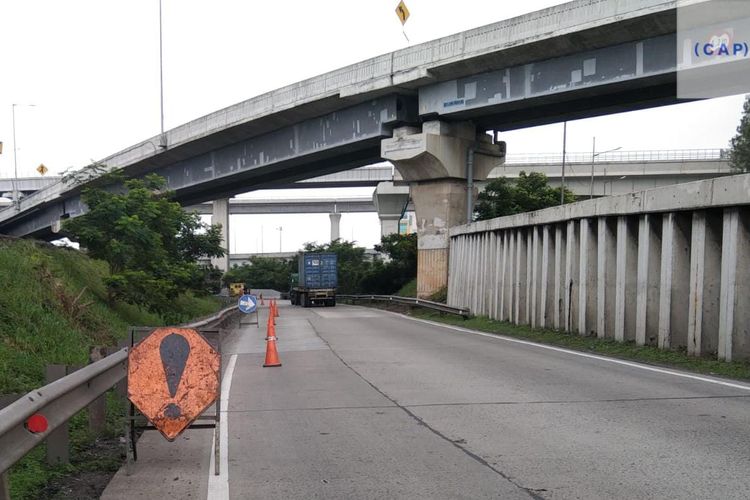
x: 151, y: 244
x: 739, y: 154
x: 262, y: 272
x: 529, y: 192
x: 388, y: 277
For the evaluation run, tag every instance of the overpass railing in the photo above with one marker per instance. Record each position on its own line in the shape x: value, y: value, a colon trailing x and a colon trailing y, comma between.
x: 666, y: 155
x: 668, y: 267
x: 65, y: 397
x: 410, y: 301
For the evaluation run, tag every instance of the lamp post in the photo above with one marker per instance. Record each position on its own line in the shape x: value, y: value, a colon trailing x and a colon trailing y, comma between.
x: 594, y: 154
x: 162, y: 137
x: 562, y: 177
x: 15, y: 156
x: 280, y: 229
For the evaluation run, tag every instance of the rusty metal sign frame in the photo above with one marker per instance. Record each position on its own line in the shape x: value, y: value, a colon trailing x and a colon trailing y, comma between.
x: 136, y: 421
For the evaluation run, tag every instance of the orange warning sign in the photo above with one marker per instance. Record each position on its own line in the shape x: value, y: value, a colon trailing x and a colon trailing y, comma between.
x: 173, y: 376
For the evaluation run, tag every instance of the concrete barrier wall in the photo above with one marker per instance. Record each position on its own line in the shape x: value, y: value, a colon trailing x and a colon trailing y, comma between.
x: 668, y: 267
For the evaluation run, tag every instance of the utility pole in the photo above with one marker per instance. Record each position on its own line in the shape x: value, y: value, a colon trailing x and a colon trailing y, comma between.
x: 162, y: 137
x: 280, y: 229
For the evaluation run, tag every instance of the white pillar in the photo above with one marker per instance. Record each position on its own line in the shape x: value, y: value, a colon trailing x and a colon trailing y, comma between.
x: 548, y: 271
x: 220, y: 215
x: 520, y: 281
x: 335, y: 226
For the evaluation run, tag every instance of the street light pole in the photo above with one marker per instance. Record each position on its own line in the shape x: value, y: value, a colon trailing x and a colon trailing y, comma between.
x: 162, y: 139
x: 594, y: 154
x: 562, y: 178
x: 280, y: 229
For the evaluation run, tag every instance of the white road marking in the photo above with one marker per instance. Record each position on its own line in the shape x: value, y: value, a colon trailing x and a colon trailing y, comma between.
x: 218, y: 486
x: 585, y: 355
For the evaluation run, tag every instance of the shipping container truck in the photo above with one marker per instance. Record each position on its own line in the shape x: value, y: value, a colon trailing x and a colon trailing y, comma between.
x: 316, y: 281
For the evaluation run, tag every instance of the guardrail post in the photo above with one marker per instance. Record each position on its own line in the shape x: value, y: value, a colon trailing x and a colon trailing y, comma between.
x: 57, y: 441
x: 98, y: 407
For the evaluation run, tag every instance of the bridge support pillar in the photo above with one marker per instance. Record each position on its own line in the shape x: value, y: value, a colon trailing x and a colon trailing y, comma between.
x: 435, y: 161
x: 220, y: 215
x: 335, y: 226
x: 391, y: 202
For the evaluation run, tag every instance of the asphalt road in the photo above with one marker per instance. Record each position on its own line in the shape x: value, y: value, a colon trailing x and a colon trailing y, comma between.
x: 370, y: 404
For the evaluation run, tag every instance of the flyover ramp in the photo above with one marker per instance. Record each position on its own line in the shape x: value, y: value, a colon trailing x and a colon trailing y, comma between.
x: 370, y: 404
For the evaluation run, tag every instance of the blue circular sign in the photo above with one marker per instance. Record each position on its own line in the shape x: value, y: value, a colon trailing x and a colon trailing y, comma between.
x: 247, y: 304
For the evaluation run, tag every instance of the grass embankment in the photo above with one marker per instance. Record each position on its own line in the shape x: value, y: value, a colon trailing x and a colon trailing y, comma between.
x: 53, y: 309
x: 624, y: 350
x: 409, y: 289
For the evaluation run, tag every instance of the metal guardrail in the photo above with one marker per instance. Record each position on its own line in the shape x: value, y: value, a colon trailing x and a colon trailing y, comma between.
x: 621, y: 156
x: 65, y: 397
x: 427, y: 304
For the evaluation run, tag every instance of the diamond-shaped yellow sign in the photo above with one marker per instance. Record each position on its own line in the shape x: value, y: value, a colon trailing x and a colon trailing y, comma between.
x: 42, y: 169
x: 402, y: 12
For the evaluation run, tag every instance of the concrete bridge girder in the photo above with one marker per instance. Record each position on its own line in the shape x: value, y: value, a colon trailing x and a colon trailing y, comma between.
x: 434, y: 161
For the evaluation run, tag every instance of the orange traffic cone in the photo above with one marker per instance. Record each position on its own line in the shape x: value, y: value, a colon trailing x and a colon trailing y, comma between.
x: 272, y: 324
x: 272, y: 356
x: 275, y: 309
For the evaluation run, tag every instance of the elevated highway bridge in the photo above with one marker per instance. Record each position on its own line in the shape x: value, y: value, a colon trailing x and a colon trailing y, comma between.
x: 425, y: 108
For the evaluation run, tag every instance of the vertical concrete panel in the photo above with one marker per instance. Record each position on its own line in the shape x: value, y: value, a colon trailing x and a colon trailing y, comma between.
x: 511, y: 277
x: 504, y: 280
x: 520, y: 281
x: 452, y: 255
x: 220, y: 215
x: 587, y: 278
x: 548, y: 273
x: 626, y: 279
x: 498, y: 300
x: 734, y: 318
x: 605, y: 284
x: 529, y: 264
x: 571, y: 276
x: 675, y: 280
x: 649, y: 263
x: 705, y: 283
x: 535, y: 275
x: 557, y: 315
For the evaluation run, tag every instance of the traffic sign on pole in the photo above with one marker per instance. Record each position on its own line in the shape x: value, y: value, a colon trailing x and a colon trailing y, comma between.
x: 173, y: 377
x: 248, y: 304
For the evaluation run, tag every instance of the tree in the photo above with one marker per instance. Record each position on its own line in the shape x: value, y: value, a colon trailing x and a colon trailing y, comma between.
x: 262, y: 272
x: 529, y: 192
x: 739, y: 154
x: 389, y: 277
x: 150, y: 243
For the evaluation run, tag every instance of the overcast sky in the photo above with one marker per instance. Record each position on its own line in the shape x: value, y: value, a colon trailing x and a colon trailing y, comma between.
x: 91, y: 68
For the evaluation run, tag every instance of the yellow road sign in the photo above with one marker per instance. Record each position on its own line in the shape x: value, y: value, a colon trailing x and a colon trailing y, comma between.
x: 402, y: 12
x: 42, y: 169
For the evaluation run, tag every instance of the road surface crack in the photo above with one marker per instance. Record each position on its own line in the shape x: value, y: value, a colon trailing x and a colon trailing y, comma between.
x: 457, y: 443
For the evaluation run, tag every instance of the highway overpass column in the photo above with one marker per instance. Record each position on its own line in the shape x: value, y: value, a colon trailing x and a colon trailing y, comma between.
x: 220, y: 215
x: 391, y: 202
x: 335, y: 226
x: 434, y: 161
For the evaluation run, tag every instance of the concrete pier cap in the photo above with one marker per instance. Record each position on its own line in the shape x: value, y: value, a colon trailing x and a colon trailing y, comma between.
x: 434, y: 160
x: 390, y: 201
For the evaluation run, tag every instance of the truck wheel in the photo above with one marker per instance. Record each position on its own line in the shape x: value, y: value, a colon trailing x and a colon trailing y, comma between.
x: 305, y: 300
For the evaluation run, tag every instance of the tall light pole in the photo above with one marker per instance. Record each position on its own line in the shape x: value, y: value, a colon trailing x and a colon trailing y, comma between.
x: 162, y: 137
x: 280, y: 229
x: 15, y: 156
x: 594, y: 154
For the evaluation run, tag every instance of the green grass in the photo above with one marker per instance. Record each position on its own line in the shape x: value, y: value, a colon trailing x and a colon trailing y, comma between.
x: 623, y: 350
x: 409, y: 289
x: 53, y: 309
